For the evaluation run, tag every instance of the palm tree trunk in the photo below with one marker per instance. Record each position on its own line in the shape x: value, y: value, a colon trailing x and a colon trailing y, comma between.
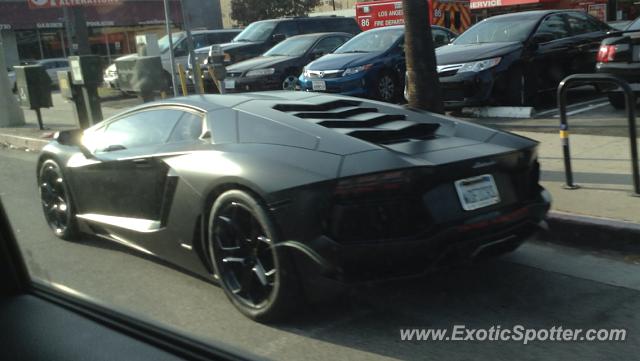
x: 423, y: 84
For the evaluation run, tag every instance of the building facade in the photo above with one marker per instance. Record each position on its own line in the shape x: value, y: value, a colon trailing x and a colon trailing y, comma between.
x: 30, y: 31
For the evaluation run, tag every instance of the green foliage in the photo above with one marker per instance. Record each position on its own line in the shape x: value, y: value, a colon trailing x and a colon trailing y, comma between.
x: 248, y: 11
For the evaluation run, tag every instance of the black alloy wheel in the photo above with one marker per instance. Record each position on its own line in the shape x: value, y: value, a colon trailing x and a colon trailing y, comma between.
x: 256, y: 276
x: 56, y: 200
x: 289, y: 82
x: 386, y: 87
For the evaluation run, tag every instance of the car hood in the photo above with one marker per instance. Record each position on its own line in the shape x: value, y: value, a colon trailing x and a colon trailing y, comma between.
x: 259, y: 63
x: 455, y: 54
x: 342, y: 61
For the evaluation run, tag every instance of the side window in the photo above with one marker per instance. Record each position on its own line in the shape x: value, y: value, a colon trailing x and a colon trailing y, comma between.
x: 139, y: 129
x: 439, y: 37
x: 328, y: 45
x: 288, y: 28
x: 189, y: 127
x: 200, y: 40
x: 582, y: 24
x: 554, y: 27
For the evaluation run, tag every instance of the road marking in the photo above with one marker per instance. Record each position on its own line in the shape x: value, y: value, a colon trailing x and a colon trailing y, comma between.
x: 585, y: 109
x: 570, y: 106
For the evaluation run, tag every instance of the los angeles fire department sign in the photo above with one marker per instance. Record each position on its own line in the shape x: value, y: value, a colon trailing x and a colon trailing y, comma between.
x: 47, y: 4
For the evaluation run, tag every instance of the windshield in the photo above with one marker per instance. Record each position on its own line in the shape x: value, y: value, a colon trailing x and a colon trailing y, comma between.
x: 292, y: 47
x: 259, y: 31
x: 163, y: 43
x: 372, y: 41
x: 498, y: 30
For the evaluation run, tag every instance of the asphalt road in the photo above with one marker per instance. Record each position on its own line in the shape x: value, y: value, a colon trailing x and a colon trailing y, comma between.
x: 539, y: 286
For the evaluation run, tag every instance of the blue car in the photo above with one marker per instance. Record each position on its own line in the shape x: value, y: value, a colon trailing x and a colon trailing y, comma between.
x: 372, y: 65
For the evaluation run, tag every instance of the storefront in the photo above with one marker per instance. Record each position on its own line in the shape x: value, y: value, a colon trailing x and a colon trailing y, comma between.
x: 485, y: 8
x: 40, y: 33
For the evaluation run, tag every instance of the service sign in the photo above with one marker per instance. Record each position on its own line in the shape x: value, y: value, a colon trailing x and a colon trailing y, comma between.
x: 47, y: 4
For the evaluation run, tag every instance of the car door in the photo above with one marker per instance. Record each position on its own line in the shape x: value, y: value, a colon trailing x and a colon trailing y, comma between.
x: 588, y: 33
x: 126, y: 177
x: 554, y: 49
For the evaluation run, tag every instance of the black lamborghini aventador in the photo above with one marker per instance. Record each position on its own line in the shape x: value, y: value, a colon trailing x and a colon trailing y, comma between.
x: 267, y: 193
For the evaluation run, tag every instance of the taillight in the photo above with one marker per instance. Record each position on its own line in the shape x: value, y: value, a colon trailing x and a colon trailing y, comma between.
x: 606, y: 53
x: 379, y: 182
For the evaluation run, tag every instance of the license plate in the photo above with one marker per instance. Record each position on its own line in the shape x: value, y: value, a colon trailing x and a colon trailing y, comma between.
x: 229, y: 84
x: 318, y: 85
x: 477, y: 192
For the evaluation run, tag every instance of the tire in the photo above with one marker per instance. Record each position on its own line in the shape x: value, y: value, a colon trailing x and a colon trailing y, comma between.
x: 289, y: 82
x: 258, y: 278
x: 520, y: 91
x: 57, y: 205
x: 617, y: 100
x: 386, y: 87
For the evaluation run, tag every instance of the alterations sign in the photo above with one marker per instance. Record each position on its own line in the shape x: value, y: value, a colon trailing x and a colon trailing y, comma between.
x: 48, y: 4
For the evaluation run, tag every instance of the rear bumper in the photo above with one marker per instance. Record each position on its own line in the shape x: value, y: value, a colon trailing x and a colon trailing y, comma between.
x: 252, y: 84
x: 449, y: 244
x: 630, y: 72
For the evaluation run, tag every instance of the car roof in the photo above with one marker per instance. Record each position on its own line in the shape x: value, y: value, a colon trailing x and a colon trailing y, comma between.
x: 534, y: 13
x: 216, y: 31
x: 319, y: 35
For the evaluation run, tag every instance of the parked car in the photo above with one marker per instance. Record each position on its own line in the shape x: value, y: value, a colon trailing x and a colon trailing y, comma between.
x: 509, y: 59
x: 266, y: 193
x: 180, y: 50
x: 51, y: 65
x: 371, y: 64
x: 261, y: 36
x: 279, y: 68
x: 620, y: 55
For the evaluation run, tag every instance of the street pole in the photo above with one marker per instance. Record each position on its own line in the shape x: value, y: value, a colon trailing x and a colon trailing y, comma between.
x: 81, y: 31
x: 197, y: 80
x: 11, y: 114
x: 423, y: 84
x: 172, y: 59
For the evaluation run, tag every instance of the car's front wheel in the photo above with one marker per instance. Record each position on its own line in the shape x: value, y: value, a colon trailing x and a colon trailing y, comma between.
x: 386, y: 87
x: 520, y: 91
x: 56, y: 201
x: 289, y: 82
x: 257, y: 277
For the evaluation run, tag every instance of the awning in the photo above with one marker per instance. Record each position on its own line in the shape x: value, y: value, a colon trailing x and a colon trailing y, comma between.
x: 485, y: 4
x: 18, y: 15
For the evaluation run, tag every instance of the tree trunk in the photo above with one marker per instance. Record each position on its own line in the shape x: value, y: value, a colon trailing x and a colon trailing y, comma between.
x: 423, y: 84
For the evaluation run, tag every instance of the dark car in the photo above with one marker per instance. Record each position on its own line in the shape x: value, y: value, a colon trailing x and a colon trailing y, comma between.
x: 372, y: 64
x: 620, y: 55
x: 261, y: 36
x: 266, y: 192
x: 279, y: 68
x: 509, y: 59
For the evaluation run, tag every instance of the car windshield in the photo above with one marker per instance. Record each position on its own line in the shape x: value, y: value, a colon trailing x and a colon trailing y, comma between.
x: 498, y: 30
x: 296, y: 46
x: 372, y: 41
x: 635, y: 25
x: 259, y: 31
x: 163, y: 42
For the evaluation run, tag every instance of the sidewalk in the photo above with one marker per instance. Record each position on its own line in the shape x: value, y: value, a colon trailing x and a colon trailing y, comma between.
x: 601, y: 164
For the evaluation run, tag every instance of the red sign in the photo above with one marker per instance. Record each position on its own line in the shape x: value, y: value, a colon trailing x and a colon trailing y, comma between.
x: 47, y: 4
x: 377, y: 14
x: 484, y: 4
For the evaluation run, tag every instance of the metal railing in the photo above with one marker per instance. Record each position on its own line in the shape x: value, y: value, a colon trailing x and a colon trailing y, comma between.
x: 630, y: 104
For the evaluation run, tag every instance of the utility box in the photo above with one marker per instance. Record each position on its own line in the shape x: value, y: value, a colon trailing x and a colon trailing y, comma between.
x: 86, y: 70
x: 142, y: 74
x: 33, y: 86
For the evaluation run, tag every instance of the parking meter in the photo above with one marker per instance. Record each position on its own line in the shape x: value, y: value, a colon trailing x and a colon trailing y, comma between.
x: 143, y: 75
x: 34, y: 89
x: 217, y: 70
x: 73, y: 93
x: 86, y: 76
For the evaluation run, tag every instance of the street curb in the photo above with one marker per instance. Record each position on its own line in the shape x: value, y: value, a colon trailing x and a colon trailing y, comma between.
x: 17, y: 141
x: 593, y: 232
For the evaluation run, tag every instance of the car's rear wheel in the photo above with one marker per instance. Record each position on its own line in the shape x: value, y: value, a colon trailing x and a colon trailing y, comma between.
x: 258, y: 278
x: 58, y: 208
x: 289, y: 82
x: 386, y: 87
x: 617, y: 100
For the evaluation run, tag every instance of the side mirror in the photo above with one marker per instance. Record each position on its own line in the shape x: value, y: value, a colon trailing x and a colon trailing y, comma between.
x: 452, y: 39
x: 73, y: 138
x: 276, y: 38
x: 317, y: 54
x: 541, y: 38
